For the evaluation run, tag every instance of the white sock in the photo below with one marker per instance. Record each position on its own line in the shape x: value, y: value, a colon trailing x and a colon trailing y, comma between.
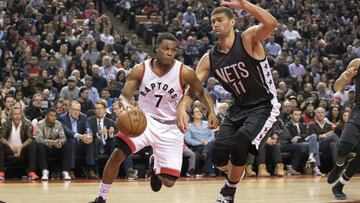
x: 104, y: 190
x: 231, y: 184
x: 342, y: 180
x: 311, y: 155
x: 234, y: 185
x: 340, y: 164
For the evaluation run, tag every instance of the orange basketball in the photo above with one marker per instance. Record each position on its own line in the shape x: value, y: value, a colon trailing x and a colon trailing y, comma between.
x: 132, y: 123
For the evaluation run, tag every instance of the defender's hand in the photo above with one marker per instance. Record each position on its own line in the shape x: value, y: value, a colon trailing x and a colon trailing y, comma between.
x: 182, y: 120
x: 212, y: 121
x: 235, y: 3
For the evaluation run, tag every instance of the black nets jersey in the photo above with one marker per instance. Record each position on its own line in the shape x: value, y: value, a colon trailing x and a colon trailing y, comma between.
x: 249, y: 80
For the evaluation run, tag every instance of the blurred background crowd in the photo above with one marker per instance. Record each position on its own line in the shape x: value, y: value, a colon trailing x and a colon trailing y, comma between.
x: 64, y: 63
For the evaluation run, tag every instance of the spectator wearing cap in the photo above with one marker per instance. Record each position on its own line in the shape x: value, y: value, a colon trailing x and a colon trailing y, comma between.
x: 293, y: 100
x: 87, y: 106
x: 93, y: 92
x: 308, y: 112
x: 71, y: 91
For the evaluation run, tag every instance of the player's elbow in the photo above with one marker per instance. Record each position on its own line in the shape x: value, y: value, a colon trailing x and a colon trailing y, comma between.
x: 273, y: 24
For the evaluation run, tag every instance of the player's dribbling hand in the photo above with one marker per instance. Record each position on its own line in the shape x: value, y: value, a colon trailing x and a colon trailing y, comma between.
x: 235, y: 3
x: 212, y: 121
x: 182, y: 120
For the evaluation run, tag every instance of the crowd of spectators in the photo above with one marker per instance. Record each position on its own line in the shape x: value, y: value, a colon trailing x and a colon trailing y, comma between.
x: 312, y: 44
x: 65, y: 56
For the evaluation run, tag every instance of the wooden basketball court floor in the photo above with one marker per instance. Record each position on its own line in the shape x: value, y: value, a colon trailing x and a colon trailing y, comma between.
x: 272, y: 190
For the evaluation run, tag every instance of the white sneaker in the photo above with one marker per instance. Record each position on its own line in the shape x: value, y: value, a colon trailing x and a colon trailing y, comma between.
x: 66, y: 175
x: 45, y: 175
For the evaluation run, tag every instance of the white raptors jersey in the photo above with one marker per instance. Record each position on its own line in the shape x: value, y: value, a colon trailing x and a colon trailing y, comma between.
x: 159, y: 95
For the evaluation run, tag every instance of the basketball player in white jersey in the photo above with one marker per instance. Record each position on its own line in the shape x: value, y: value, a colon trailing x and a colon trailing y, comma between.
x: 161, y: 82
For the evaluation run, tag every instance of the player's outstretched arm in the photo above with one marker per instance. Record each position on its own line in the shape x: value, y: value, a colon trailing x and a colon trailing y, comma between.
x: 346, y: 77
x: 132, y: 83
x: 267, y: 22
x: 196, y: 89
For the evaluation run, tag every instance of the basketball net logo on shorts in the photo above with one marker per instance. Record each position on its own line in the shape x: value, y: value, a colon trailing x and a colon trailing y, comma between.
x: 233, y: 74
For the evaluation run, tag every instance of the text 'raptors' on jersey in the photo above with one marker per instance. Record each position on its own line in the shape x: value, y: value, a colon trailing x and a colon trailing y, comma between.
x: 160, y: 95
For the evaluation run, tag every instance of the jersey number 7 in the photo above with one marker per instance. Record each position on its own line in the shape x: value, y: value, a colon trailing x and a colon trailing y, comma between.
x: 159, y: 99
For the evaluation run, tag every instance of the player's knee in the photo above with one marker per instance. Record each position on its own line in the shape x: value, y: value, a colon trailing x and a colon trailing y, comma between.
x: 117, y: 155
x: 220, y: 158
x: 239, y: 151
x: 344, y: 148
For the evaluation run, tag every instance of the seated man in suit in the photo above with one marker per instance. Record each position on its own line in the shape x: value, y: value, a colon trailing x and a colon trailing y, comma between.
x: 102, y: 129
x: 51, y: 141
x: 79, y: 138
x: 17, y: 139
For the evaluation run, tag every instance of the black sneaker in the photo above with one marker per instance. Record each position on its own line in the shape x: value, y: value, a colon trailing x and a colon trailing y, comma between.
x: 191, y: 173
x: 155, y: 182
x: 98, y: 200
x: 337, y: 191
x: 227, y: 195
x: 338, y: 170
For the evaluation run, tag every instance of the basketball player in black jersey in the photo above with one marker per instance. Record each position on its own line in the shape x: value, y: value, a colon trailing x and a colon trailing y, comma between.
x: 347, y: 162
x: 238, y: 61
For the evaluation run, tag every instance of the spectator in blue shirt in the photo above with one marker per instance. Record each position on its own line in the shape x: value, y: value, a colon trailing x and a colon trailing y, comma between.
x: 200, y: 138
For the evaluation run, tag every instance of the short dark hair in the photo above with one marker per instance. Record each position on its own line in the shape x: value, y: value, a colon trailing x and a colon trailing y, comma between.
x: 82, y: 89
x: 222, y: 9
x: 294, y: 109
x: 51, y: 109
x: 8, y: 96
x: 165, y: 36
